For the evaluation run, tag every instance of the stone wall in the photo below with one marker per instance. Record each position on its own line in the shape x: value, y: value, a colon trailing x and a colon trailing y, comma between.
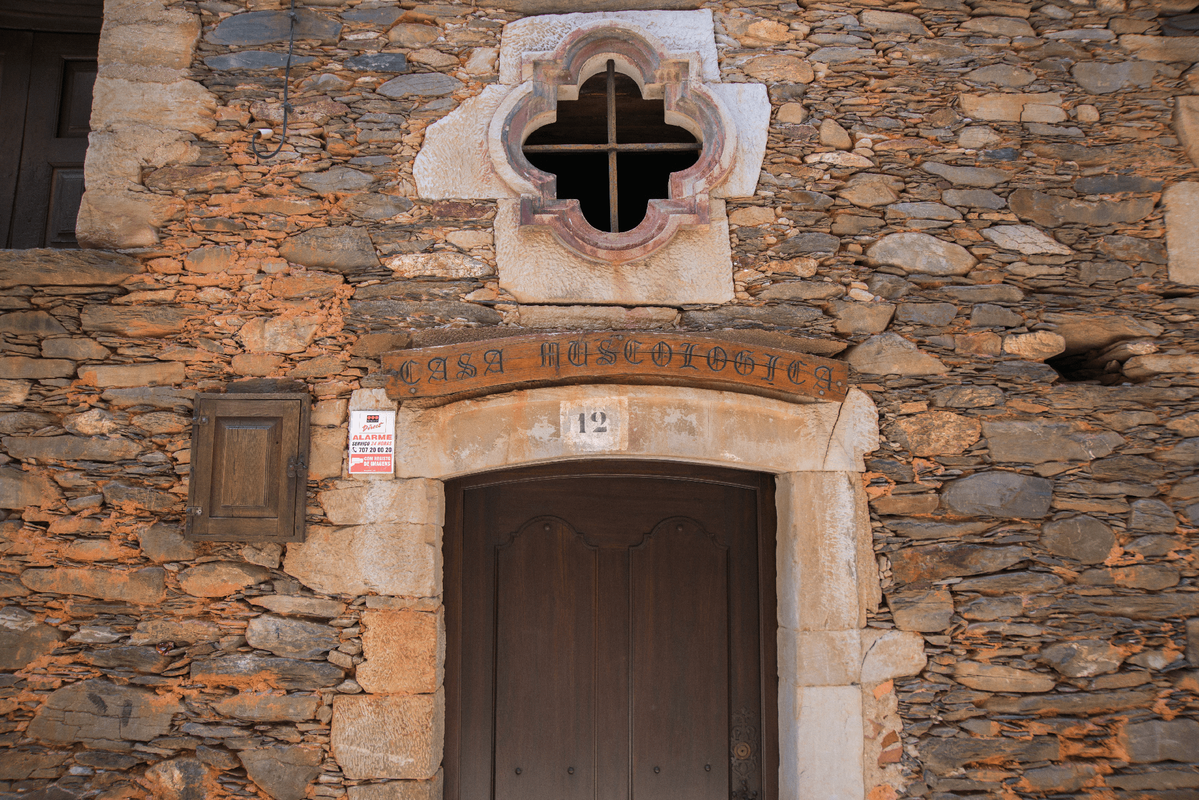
x: 986, y: 208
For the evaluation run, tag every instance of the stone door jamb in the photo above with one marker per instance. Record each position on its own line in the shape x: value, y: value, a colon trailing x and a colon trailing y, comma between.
x: 827, y: 579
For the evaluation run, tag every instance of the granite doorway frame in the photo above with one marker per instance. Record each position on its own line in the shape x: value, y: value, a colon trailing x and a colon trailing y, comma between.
x: 827, y: 579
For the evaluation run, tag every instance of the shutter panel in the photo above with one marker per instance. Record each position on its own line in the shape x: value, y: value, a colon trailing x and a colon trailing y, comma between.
x: 249, y: 467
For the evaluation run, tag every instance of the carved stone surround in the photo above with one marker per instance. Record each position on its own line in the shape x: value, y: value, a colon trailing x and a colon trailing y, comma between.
x: 546, y: 251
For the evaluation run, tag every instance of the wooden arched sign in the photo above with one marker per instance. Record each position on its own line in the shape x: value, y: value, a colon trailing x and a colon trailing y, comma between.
x: 457, y: 371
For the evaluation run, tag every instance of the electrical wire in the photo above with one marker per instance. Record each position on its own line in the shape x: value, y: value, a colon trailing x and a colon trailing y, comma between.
x: 291, y: 44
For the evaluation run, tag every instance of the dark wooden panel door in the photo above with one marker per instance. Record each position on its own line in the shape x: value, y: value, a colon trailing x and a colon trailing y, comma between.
x: 53, y: 130
x: 611, y: 634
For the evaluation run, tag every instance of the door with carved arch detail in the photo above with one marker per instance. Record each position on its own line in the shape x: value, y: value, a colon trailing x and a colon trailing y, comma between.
x: 611, y: 634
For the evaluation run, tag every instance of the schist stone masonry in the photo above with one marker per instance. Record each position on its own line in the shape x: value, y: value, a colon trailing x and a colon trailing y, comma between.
x: 914, y: 283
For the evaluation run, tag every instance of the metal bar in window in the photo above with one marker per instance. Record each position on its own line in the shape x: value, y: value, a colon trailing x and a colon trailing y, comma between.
x: 613, y: 211
x: 643, y: 147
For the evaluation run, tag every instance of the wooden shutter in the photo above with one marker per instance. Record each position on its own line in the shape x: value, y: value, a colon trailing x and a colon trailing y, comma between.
x: 249, y: 467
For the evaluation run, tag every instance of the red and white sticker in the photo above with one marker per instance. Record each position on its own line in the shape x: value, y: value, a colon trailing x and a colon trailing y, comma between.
x: 372, y: 442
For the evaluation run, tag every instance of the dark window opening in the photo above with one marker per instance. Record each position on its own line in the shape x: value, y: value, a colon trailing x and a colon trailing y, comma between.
x: 612, y: 151
x: 1104, y: 365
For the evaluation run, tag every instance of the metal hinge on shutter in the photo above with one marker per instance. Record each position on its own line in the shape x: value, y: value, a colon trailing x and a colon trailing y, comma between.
x: 200, y: 419
x: 295, y: 465
x: 190, y: 514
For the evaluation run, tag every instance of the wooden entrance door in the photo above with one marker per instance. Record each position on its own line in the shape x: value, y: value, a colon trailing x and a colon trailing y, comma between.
x: 611, y: 632
x: 46, y: 82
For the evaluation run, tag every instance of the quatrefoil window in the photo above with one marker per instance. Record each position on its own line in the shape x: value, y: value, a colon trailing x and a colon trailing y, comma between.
x: 615, y: 54
x: 612, y: 151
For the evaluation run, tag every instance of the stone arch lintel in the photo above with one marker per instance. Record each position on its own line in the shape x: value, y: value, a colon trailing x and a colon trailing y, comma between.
x: 668, y: 423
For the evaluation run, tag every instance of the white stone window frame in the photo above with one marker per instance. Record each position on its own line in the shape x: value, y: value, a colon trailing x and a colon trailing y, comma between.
x: 679, y: 255
x: 836, y: 706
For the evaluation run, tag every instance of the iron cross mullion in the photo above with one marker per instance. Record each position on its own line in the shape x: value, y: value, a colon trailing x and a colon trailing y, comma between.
x: 613, y: 211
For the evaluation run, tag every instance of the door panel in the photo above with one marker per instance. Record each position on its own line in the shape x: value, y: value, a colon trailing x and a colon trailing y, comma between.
x: 614, y: 619
x: 545, y: 663
x: 680, y: 664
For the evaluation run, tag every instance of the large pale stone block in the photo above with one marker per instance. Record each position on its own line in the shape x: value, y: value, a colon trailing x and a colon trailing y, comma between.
x: 696, y: 267
x: 671, y: 423
x: 819, y: 554
x: 398, y: 790
x: 819, y: 658
x: 891, y: 654
x: 455, y: 160
x: 388, y: 736
x: 680, y: 31
x: 393, y: 559
x: 404, y: 649
x: 157, y: 373
x: 377, y: 502
x: 181, y: 105
x: 821, y: 743
x: 327, y: 451
x: 1182, y: 231
x: 150, y: 44
x: 854, y: 435
x: 122, y: 220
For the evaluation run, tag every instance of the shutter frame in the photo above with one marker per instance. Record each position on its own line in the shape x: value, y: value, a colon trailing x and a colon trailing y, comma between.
x: 249, y: 470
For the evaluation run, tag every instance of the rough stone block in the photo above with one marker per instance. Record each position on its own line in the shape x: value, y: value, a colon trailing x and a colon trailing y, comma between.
x: 154, y: 43
x: 23, y: 639
x: 259, y: 707
x: 999, y: 494
x: 820, y: 742
x: 398, y: 790
x: 20, y: 489
x: 934, y: 562
x: 279, y: 334
x: 276, y: 673
x: 291, y: 638
x: 22, y: 367
x: 181, y: 779
x: 186, y: 104
x: 142, y: 587
x: 891, y: 354
x: 343, y: 249
x: 284, y: 773
x: 377, y: 502
x: 925, y: 611
x: 1082, y: 538
x: 38, y: 267
x: 891, y: 654
x: 142, y: 321
x: 389, y: 736
x: 819, y: 658
x: 1182, y: 231
x: 1000, y: 678
x: 915, y: 252
x: 162, y: 373
x: 326, y: 452
x: 405, y: 651
x: 220, y: 578
x: 394, y: 559
x: 103, y: 715
x: 265, y: 27
x: 1161, y: 740
x: 30, y: 323
x: 818, y: 558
